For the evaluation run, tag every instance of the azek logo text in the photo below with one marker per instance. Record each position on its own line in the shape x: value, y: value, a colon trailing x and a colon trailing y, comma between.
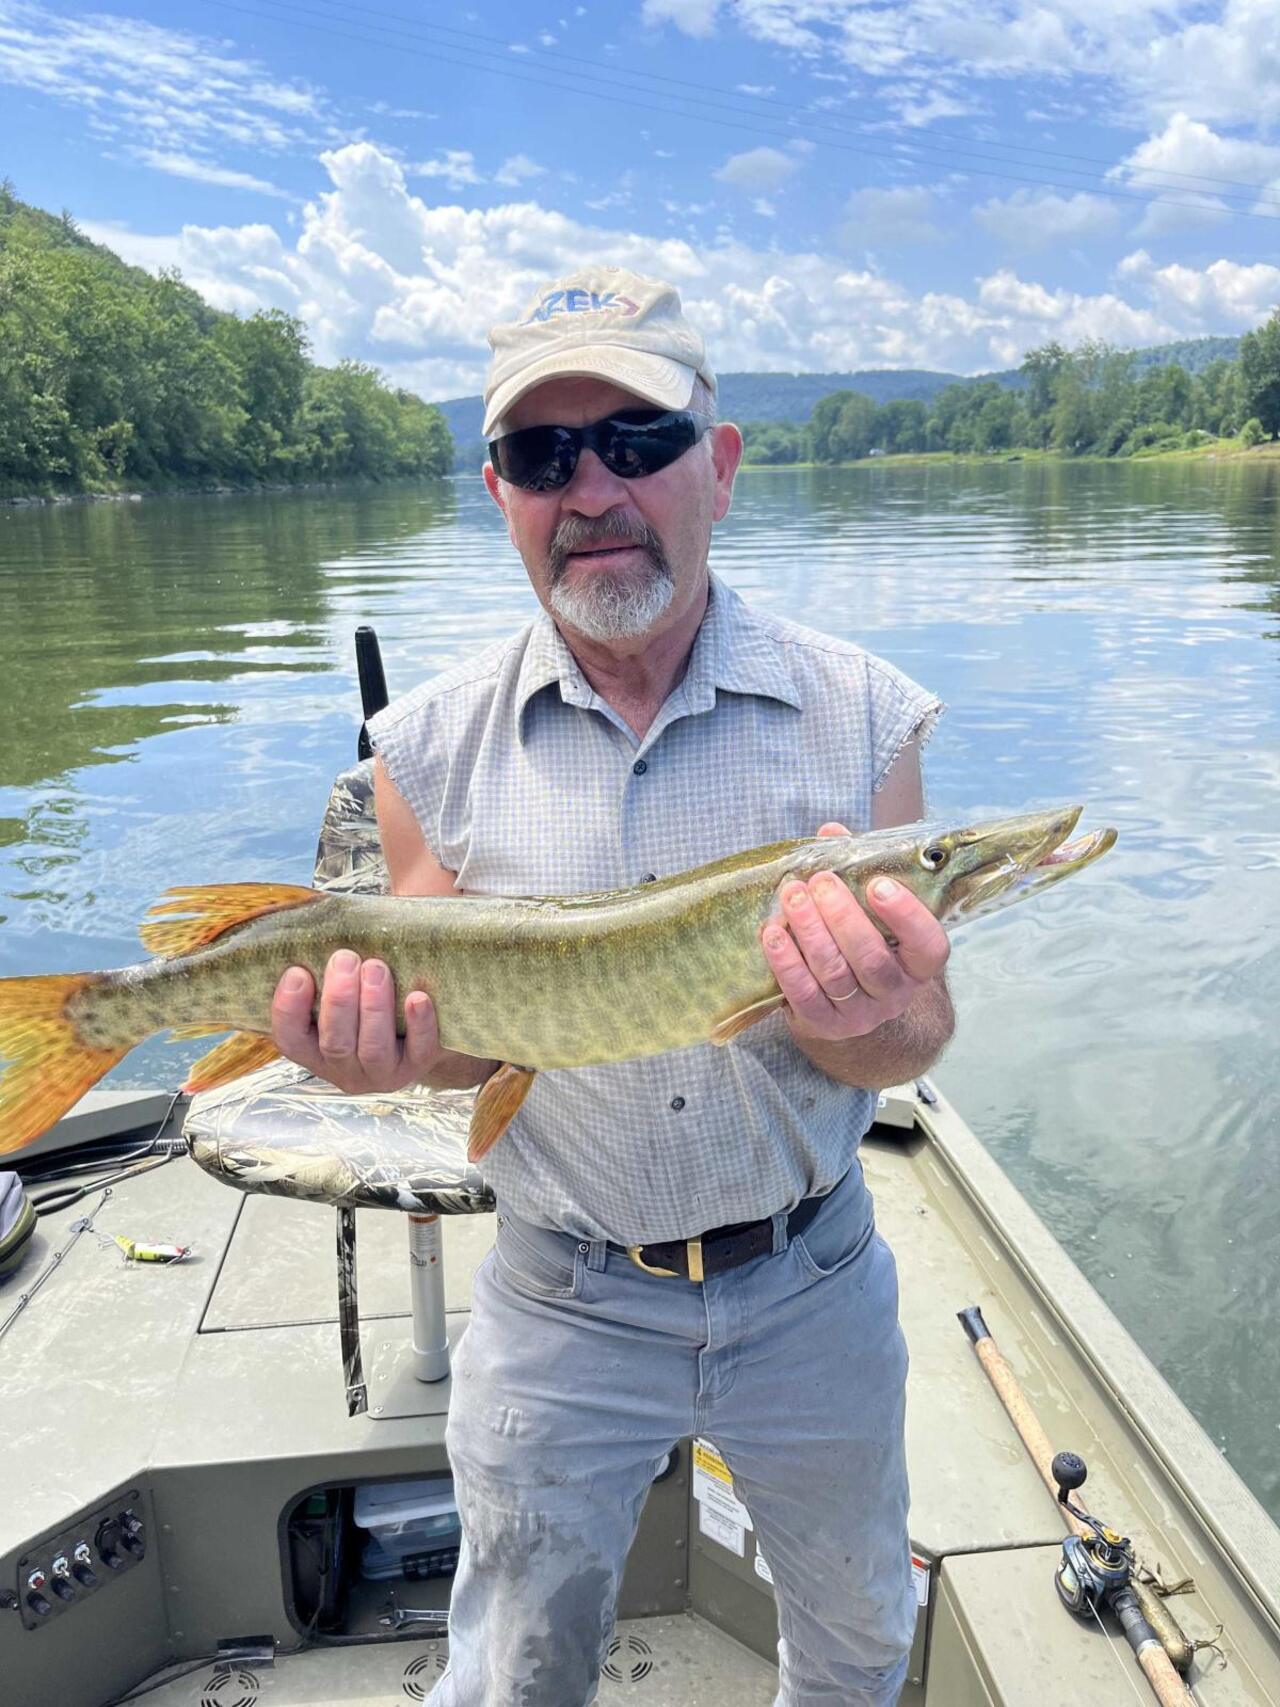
x: 582, y: 302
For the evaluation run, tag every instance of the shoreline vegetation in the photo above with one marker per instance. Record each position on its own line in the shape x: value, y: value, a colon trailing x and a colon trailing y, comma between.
x: 1093, y: 401
x: 115, y: 382
x: 1212, y: 450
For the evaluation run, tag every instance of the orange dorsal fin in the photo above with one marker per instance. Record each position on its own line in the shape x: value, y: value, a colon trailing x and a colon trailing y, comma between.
x: 213, y: 908
x: 496, y: 1103
x: 243, y: 1052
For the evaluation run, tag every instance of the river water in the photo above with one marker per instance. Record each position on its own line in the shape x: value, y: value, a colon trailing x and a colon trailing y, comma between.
x: 177, y: 687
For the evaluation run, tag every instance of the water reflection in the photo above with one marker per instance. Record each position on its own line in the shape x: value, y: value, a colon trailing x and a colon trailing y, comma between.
x: 102, y: 604
x: 178, y: 688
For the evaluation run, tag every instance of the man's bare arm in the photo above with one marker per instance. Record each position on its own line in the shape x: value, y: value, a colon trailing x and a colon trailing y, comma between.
x: 353, y: 1041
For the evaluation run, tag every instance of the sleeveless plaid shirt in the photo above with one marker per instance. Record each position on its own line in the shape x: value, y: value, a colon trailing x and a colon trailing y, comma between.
x: 526, y: 782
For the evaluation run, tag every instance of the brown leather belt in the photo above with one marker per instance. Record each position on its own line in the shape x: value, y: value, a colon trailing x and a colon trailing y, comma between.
x: 722, y: 1248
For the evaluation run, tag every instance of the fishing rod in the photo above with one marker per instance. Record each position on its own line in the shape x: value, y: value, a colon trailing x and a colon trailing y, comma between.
x: 1097, y: 1567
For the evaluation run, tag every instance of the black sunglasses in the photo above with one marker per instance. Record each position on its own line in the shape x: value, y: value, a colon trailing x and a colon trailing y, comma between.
x: 630, y: 444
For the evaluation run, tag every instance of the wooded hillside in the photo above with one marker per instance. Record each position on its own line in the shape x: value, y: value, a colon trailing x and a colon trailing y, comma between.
x: 112, y: 378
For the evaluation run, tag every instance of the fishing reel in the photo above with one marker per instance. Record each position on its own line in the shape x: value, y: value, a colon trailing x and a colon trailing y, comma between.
x: 1094, y: 1569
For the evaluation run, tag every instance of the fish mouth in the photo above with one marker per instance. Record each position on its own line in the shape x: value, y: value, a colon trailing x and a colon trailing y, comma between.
x: 1027, y: 855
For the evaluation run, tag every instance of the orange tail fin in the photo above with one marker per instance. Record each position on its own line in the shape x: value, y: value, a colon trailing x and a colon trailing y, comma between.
x: 48, y: 1067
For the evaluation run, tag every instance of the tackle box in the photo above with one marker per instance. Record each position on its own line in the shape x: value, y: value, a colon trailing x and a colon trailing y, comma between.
x: 412, y: 1528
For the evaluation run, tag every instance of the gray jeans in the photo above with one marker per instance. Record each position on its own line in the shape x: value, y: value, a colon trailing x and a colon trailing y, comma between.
x: 579, y: 1372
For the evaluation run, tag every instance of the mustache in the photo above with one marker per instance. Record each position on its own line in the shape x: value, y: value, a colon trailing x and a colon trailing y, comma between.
x: 613, y: 528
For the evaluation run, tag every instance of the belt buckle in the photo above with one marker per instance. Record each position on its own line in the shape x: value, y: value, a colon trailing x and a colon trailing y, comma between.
x: 693, y: 1247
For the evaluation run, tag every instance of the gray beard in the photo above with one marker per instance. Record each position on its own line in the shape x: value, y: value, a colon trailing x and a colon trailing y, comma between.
x: 612, y: 607
x: 606, y: 606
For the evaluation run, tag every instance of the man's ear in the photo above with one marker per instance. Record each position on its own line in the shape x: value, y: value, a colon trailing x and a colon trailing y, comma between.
x: 726, y: 454
x: 494, y: 486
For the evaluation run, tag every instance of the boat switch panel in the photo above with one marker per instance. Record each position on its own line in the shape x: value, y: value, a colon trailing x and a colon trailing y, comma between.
x: 74, y: 1563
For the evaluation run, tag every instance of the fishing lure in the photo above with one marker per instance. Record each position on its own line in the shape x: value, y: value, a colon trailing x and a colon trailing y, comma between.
x: 138, y: 1250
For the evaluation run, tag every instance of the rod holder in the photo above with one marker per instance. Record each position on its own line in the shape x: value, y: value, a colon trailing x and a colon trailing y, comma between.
x: 426, y: 1284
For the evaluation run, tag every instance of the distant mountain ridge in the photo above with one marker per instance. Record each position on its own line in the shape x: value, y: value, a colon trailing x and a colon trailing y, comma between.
x: 791, y: 396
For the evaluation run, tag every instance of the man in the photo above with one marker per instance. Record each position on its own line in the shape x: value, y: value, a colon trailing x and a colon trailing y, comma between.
x: 645, y: 722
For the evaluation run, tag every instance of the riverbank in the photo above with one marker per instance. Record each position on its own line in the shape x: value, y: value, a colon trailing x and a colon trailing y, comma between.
x: 1212, y: 450
x: 139, y: 495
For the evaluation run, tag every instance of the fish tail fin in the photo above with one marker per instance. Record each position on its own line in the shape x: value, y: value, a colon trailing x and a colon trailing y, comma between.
x: 49, y: 1065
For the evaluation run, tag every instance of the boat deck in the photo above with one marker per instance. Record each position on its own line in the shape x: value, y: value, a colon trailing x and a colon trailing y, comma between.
x: 680, y: 1661
x: 210, y: 1396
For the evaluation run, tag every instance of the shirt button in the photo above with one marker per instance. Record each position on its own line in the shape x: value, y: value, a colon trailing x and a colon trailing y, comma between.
x: 640, y: 767
x: 677, y: 1103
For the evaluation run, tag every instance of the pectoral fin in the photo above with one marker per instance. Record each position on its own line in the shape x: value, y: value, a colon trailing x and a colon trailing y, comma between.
x: 730, y: 1028
x: 243, y: 1052
x: 496, y: 1104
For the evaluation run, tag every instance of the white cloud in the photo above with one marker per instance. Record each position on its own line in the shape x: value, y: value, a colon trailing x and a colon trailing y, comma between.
x: 1225, y: 294
x: 694, y: 17
x: 457, y: 166
x: 1199, y: 175
x: 518, y: 169
x: 169, y: 90
x: 205, y: 172
x: 756, y: 169
x: 897, y: 215
x: 1037, y: 219
x: 1163, y: 55
x: 380, y: 274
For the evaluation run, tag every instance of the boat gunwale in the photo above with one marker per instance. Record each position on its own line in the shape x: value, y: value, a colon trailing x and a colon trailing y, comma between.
x: 1231, y: 1516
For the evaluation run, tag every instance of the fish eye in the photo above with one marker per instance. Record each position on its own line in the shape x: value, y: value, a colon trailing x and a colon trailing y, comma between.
x: 934, y: 857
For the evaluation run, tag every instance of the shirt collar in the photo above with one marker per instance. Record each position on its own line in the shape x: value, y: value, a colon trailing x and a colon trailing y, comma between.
x: 732, y: 650
x: 735, y: 650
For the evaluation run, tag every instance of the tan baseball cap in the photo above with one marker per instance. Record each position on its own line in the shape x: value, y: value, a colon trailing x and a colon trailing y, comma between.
x: 604, y: 323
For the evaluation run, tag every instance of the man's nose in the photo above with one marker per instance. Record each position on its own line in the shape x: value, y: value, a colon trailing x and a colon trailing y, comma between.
x: 593, y: 489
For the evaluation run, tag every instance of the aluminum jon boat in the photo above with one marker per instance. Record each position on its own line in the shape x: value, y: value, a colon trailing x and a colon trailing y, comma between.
x: 225, y: 1478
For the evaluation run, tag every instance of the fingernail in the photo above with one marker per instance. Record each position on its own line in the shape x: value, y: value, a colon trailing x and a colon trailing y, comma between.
x: 374, y: 974
x: 294, y: 980
x: 796, y: 896
x: 344, y: 961
x: 774, y: 939
x: 884, y: 889
x: 827, y: 882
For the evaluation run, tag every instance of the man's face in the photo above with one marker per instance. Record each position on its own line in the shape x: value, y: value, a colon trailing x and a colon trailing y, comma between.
x: 616, y: 560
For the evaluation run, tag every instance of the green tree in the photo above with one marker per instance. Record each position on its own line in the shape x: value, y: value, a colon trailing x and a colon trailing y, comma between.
x: 822, y: 423
x: 1260, y: 375
x: 1042, y: 368
x: 1252, y: 433
x: 854, y: 433
x: 900, y: 425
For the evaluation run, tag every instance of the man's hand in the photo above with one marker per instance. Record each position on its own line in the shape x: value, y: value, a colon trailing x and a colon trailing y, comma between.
x: 840, y: 977
x: 353, y: 1042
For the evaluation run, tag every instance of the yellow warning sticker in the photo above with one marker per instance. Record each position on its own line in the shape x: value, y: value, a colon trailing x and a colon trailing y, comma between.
x: 709, y: 1461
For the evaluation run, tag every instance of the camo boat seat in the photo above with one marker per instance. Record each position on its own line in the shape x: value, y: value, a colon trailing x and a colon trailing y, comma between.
x: 284, y: 1132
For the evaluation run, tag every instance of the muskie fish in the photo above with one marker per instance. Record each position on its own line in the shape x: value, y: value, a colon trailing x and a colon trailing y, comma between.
x: 563, y: 981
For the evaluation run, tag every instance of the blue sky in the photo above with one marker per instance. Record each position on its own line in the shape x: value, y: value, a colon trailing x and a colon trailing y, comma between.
x: 832, y: 184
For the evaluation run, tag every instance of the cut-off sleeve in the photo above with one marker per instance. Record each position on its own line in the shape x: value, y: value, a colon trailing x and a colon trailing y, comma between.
x: 899, y: 711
